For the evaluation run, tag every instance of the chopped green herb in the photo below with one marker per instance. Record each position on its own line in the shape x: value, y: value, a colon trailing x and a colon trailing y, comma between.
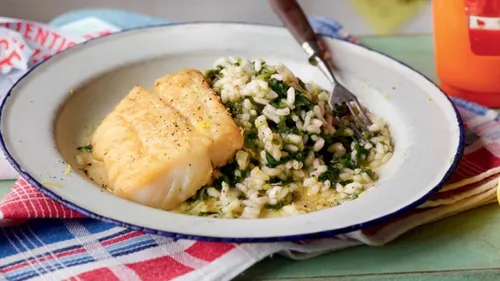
x: 274, y: 181
x: 258, y: 107
x: 285, y: 201
x: 204, y: 214
x: 279, y: 87
x: 332, y: 174
x: 345, y: 182
x: 87, y: 148
x: 361, y: 154
x: 251, y: 141
x: 265, y: 72
x: 302, y: 84
x: 212, y: 75
x: 299, y: 156
x: 343, y: 161
x: 338, y: 136
x: 228, y: 175
x: 287, y: 126
x: 271, y: 162
x: 366, y: 134
x: 303, y: 102
x: 267, y: 186
x: 370, y: 173
x: 202, y: 193
x: 262, y: 68
x: 275, y: 207
x: 243, y: 174
x: 279, y: 104
x: 235, y: 107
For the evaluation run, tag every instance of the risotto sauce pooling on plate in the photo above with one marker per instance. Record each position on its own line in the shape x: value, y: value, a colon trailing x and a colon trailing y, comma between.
x: 295, y: 158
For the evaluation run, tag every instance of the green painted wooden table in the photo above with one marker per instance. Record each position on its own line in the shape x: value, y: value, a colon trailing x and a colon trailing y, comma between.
x: 463, y: 247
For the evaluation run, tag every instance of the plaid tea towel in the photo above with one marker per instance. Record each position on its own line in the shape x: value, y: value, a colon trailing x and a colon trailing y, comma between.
x: 51, y: 242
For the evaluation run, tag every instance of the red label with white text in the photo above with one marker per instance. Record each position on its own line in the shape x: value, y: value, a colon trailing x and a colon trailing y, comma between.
x: 25, y: 43
x: 484, y: 26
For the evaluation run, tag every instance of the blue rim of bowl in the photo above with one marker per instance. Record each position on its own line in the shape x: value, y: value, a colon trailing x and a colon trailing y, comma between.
x: 176, y: 236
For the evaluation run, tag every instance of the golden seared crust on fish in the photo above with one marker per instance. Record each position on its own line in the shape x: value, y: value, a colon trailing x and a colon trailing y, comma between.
x: 188, y: 91
x: 153, y: 154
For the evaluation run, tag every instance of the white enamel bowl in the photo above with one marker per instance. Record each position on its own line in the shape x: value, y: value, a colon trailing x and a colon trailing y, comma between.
x: 46, y: 114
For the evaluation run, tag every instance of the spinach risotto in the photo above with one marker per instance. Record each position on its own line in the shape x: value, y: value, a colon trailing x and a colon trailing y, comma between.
x: 296, y: 158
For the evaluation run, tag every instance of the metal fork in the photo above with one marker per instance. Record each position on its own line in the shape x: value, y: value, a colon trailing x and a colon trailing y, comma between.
x: 292, y: 15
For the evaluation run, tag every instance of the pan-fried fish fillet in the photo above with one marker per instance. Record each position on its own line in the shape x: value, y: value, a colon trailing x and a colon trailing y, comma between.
x: 153, y: 154
x: 188, y: 91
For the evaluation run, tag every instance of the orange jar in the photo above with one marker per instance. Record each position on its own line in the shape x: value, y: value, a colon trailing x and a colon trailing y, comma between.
x: 467, y: 49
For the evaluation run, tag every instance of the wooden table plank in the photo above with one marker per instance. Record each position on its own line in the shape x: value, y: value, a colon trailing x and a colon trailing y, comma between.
x: 464, y: 243
x: 5, y: 186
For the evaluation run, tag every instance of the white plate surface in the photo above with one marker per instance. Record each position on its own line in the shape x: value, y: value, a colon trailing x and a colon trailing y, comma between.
x: 47, y: 113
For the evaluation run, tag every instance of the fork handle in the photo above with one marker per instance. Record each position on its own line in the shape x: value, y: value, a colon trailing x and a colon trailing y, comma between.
x: 292, y: 15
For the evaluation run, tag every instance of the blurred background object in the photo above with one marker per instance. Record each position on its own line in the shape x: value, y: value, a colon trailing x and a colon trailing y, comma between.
x: 388, y: 16
x: 466, y: 40
x: 360, y: 17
